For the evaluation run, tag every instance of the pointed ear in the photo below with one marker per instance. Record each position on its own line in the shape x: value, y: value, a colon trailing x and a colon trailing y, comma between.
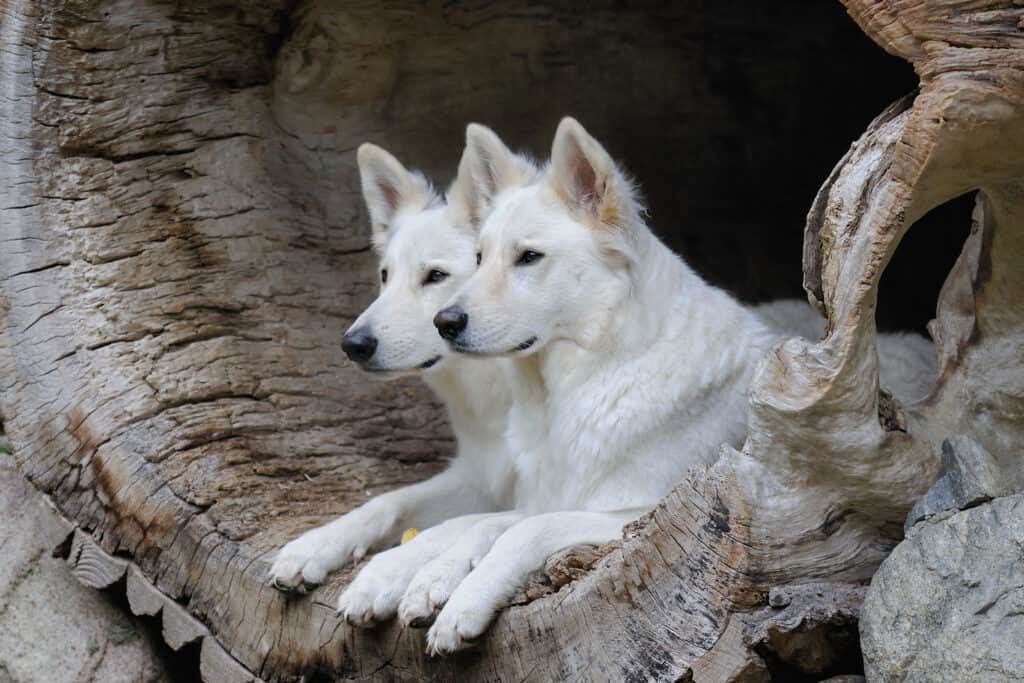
x: 487, y: 167
x: 464, y: 203
x: 583, y: 173
x: 387, y: 187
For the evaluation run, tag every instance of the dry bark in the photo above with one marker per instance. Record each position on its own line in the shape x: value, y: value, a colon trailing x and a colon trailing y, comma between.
x: 183, y: 245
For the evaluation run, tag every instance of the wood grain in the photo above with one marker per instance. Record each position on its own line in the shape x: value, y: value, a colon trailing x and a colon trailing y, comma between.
x: 183, y: 244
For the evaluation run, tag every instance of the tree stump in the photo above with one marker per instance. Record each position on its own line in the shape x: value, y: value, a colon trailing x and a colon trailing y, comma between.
x: 183, y: 244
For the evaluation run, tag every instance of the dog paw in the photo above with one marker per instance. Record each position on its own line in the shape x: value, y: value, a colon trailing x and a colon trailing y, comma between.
x: 302, y: 564
x: 374, y: 594
x: 457, y: 627
x: 428, y: 591
x: 306, y: 561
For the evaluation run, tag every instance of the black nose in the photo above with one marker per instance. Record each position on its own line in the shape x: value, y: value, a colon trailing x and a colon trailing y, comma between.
x: 451, y: 322
x: 359, y: 345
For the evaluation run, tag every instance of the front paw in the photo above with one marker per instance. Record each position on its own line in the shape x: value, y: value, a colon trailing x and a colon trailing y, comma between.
x: 462, y: 621
x: 374, y: 594
x: 304, y: 562
x: 429, y: 590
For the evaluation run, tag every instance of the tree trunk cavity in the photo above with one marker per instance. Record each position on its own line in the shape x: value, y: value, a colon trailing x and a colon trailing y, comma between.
x: 183, y: 244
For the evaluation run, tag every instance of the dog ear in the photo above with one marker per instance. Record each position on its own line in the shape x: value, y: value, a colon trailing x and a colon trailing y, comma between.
x: 387, y: 187
x: 487, y: 167
x: 464, y: 203
x: 583, y: 173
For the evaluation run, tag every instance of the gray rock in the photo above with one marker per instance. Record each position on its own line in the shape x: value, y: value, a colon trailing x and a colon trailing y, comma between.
x: 948, y: 604
x: 969, y: 476
x: 52, y: 628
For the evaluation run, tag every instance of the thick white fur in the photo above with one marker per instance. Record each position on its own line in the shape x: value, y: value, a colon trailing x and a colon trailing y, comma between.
x: 435, y: 582
x: 413, y: 233
x: 629, y: 368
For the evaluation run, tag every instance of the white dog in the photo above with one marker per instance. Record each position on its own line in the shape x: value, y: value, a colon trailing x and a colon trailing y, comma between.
x: 630, y: 369
x: 426, y: 248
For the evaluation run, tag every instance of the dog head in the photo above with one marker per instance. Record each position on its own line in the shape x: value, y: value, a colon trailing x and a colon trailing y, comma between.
x: 555, y: 254
x: 426, y: 250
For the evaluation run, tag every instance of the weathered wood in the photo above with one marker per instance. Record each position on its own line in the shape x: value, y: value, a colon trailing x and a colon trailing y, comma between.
x: 97, y: 569
x: 731, y: 659
x: 143, y: 597
x: 91, y: 565
x: 183, y: 244
x: 180, y: 628
x: 216, y: 666
x: 805, y: 631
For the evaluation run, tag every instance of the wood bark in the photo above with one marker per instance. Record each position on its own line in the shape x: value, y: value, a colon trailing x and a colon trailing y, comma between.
x: 183, y: 245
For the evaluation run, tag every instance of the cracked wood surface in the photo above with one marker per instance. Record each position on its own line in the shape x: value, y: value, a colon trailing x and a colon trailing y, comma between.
x: 183, y: 246
x: 190, y: 414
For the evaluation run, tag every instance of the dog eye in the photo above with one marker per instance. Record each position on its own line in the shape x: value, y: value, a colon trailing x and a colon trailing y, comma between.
x: 384, y: 276
x: 478, y: 256
x: 434, y: 276
x: 529, y: 256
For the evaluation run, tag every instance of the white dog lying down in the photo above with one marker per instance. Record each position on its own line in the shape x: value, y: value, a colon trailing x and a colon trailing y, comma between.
x: 427, y: 248
x: 630, y: 369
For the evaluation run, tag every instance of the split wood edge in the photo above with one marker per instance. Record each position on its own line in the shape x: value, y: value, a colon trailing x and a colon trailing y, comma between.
x: 96, y: 568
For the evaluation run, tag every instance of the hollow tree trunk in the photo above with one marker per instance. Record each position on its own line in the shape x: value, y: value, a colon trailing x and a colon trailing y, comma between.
x: 182, y: 246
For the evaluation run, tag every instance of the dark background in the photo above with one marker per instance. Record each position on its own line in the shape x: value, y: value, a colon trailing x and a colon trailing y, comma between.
x: 780, y: 96
x: 729, y: 115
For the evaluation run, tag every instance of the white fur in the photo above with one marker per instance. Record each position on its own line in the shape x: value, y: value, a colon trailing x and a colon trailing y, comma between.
x: 434, y: 583
x: 519, y: 551
x: 639, y: 369
x: 377, y: 590
x: 629, y: 368
x: 621, y: 369
x: 414, y: 232
x: 791, y: 317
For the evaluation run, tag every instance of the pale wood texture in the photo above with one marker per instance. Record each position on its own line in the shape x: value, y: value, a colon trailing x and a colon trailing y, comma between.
x: 183, y: 245
x: 92, y: 566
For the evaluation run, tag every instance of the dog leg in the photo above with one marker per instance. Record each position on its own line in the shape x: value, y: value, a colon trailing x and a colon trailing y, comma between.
x: 434, y: 583
x: 519, y: 551
x: 307, y: 560
x: 375, y: 593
